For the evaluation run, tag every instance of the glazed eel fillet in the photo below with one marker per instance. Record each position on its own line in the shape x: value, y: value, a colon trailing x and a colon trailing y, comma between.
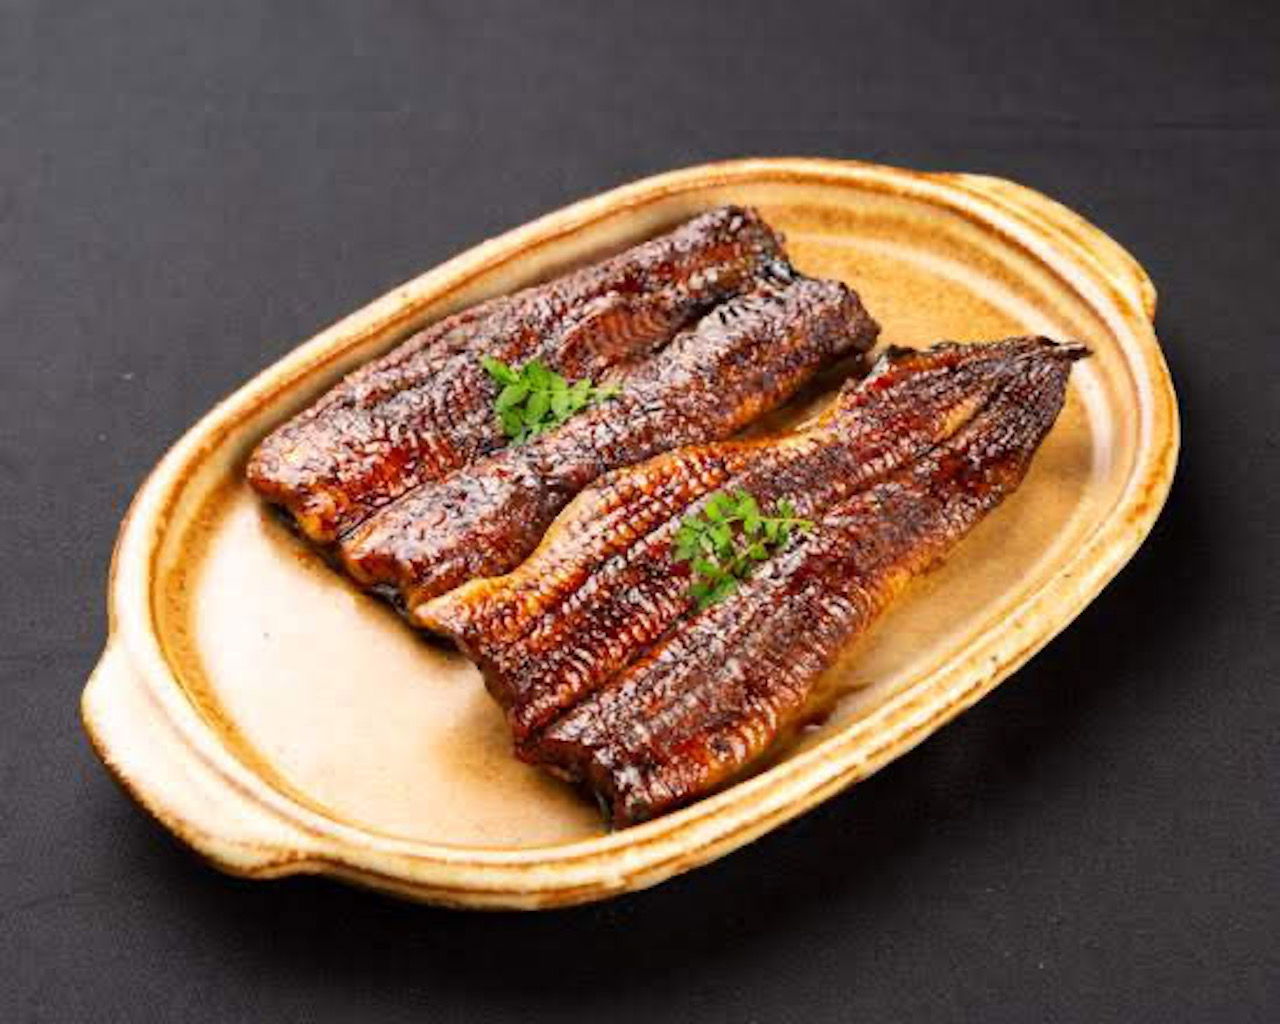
x: 425, y: 409
x: 610, y: 674
x: 744, y: 358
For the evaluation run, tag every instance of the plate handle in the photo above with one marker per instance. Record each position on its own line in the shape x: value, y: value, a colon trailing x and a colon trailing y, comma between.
x: 1052, y: 218
x: 201, y: 804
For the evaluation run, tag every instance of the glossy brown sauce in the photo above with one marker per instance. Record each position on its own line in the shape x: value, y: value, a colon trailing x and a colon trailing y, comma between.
x: 329, y: 694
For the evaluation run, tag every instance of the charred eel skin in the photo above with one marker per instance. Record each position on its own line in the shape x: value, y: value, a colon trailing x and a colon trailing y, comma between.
x: 424, y: 409
x: 746, y: 357
x: 611, y: 677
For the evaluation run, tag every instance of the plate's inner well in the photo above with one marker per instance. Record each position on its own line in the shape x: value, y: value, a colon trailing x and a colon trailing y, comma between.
x: 326, y: 692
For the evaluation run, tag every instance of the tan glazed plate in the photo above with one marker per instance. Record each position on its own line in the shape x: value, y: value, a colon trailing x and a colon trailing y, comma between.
x: 280, y: 722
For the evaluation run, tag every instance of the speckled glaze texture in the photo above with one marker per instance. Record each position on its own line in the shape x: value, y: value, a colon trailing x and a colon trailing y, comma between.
x: 278, y: 721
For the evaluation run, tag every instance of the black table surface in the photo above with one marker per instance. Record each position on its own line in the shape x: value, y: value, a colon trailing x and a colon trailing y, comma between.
x: 187, y: 190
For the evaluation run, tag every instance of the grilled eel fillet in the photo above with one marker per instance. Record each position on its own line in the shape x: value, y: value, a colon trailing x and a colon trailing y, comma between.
x: 425, y: 408
x: 744, y: 358
x: 610, y: 676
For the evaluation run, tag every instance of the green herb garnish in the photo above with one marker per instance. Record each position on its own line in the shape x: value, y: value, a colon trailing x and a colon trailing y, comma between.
x: 726, y: 541
x: 535, y: 398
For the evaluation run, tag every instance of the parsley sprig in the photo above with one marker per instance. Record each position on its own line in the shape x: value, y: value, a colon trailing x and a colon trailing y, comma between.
x: 535, y: 398
x: 729, y: 538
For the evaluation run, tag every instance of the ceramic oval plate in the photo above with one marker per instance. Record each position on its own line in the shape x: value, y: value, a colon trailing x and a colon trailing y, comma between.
x: 278, y: 721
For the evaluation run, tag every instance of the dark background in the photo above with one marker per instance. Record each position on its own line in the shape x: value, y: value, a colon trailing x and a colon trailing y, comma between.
x: 187, y: 190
